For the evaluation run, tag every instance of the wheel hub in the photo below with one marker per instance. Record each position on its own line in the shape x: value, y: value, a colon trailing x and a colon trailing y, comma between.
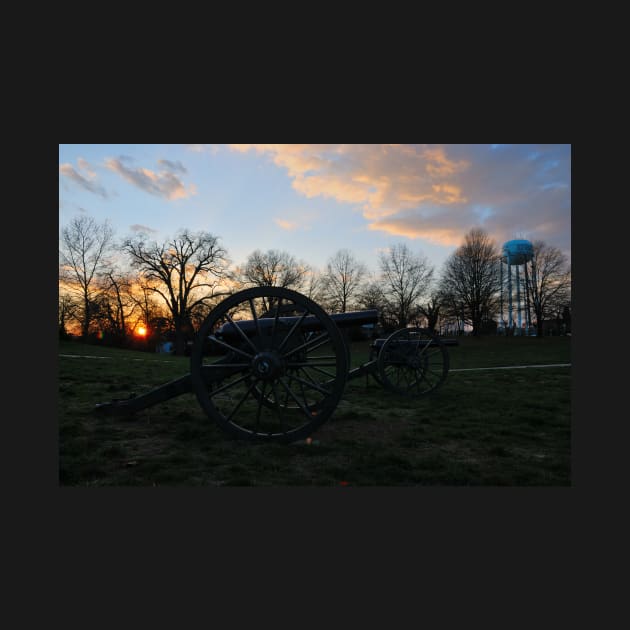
x: 417, y: 363
x: 267, y: 366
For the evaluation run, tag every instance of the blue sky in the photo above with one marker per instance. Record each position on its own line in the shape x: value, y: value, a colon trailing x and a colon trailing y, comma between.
x: 314, y: 199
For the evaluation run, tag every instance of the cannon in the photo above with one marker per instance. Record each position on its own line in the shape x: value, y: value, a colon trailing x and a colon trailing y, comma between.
x: 268, y: 364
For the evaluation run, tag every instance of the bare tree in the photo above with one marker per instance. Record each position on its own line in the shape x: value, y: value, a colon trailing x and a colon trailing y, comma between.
x: 430, y: 309
x: 312, y: 286
x: 452, y: 312
x: 342, y: 280
x: 85, y: 245
x: 119, y: 304
x: 371, y: 295
x: 273, y: 268
x: 405, y: 278
x: 145, y: 308
x: 185, y: 272
x: 550, y: 283
x: 67, y: 308
x: 471, y: 278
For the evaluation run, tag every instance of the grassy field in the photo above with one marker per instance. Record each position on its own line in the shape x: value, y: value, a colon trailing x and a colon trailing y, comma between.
x: 482, y: 428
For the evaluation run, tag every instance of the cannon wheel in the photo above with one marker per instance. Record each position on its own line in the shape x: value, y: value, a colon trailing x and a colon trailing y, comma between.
x: 271, y: 383
x: 412, y: 362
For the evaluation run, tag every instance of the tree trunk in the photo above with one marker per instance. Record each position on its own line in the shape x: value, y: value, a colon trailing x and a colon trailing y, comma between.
x: 180, y: 336
x: 85, y: 327
x: 539, y: 320
x: 180, y: 342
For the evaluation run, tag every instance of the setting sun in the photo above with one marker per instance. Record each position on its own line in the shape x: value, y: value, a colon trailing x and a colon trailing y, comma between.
x: 142, y: 331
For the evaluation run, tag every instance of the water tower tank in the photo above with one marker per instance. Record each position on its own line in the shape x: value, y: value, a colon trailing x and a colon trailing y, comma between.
x: 517, y: 252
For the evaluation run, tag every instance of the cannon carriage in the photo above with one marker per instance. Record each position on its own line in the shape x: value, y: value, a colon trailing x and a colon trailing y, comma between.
x: 277, y: 374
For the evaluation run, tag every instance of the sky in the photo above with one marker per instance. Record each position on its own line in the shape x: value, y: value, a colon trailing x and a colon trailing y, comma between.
x: 313, y: 199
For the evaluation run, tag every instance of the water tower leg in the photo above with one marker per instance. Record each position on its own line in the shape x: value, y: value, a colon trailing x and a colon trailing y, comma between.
x: 501, y: 318
x: 535, y: 294
x: 509, y: 295
x: 518, y: 298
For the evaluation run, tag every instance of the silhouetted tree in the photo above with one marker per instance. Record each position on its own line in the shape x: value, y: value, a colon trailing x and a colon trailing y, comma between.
x: 550, y: 283
x: 119, y: 304
x: 67, y: 308
x: 312, y: 285
x: 149, y: 310
x: 471, y: 278
x: 430, y: 309
x: 273, y: 268
x: 84, y: 249
x: 405, y: 278
x: 370, y: 296
x: 185, y: 271
x: 342, y: 280
x: 452, y: 312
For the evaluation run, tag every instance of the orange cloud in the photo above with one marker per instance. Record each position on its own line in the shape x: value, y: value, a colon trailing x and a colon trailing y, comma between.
x: 439, y: 236
x: 448, y: 193
x: 384, y: 181
x: 286, y: 225
x: 439, y: 165
x: 333, y: 187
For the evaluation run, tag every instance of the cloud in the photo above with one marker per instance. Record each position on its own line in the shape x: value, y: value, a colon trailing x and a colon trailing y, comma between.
x: 173, y: 166
x: 300, y: 219
x: 85, y: 166
x: 163, y: 184
x: 136, y: 227
x: 203, y: 148
x: 446, y: 237
x: 286, y: 225
x: 382, y: 180
x: 437, y: 192
x: 85, y: 177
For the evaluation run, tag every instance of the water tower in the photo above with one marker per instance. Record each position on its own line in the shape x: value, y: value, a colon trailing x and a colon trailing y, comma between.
x: 516, y: 255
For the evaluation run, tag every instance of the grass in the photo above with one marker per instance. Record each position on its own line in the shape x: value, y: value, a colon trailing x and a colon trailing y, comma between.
x: 482, y: 428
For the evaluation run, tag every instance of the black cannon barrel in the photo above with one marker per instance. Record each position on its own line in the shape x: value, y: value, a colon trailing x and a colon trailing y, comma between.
x: 309, y: 323
x: 355, y: 318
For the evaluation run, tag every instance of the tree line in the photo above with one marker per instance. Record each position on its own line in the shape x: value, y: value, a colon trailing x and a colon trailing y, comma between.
x: 110, y: 288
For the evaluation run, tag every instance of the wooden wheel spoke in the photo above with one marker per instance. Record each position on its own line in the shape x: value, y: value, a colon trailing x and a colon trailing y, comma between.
x: 241, y: 401
x: 278, y: 407
x: 312, y: 384
x: 260, y: 404
x: 310, y: 345
x: 224, y: 388
x: 242, y: 334
x: 307, y: 413
x: 229, y: 347
x: 293, y: 329
x: 255, y: 317
x: 275, y: 322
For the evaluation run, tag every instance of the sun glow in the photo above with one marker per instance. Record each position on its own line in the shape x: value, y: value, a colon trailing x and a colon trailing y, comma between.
x: 142, y: 331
